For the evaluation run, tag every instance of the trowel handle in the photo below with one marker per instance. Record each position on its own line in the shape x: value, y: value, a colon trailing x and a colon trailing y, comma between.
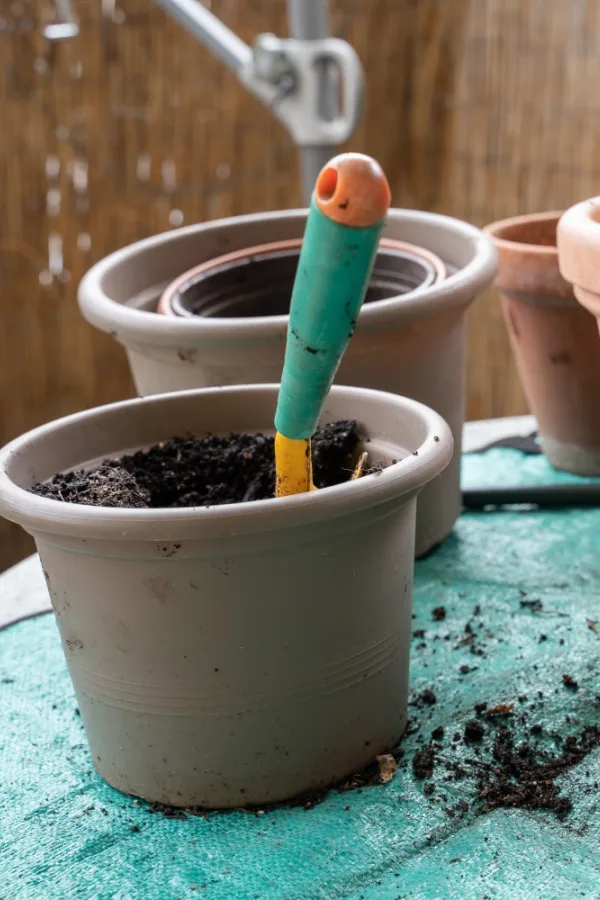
x: 345, y: 221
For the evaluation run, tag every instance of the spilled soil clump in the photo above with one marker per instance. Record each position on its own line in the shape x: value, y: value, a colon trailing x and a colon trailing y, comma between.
x: 524, y: 777
x: 512, y: 767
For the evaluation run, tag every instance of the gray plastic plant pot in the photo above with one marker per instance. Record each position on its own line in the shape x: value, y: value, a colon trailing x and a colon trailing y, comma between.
x: 238, y: 654
x: 412, y: 345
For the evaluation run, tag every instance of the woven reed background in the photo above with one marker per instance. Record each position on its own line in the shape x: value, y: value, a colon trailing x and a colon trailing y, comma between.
x: 477, y: 108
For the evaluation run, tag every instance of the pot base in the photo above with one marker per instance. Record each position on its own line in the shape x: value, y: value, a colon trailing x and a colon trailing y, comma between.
x: 181, y: 792
x: 571, y: 457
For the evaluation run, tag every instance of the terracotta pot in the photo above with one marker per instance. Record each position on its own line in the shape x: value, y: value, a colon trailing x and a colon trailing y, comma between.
x: 258, y: 281
x: 579, y: 252
x: 556, y: 346
x: 237, y: 654
x: 413, y: 345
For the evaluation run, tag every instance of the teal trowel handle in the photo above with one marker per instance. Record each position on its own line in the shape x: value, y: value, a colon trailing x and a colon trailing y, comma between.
x: 331, y: 281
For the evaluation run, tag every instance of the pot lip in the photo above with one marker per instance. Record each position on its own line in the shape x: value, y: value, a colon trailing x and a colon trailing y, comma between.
x: 582, y: 213
x: 437, y: 268
x: 578, y: 241
x: 495, y: 230
x: 139, y: 327
x: 404, y: 478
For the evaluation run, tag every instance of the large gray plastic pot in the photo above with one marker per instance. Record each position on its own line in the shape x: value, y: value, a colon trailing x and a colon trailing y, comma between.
x: 411, y: 345
x: 237, y: 654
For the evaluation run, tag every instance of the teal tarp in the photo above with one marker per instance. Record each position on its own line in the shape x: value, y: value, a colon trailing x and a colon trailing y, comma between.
x: 65, y: 834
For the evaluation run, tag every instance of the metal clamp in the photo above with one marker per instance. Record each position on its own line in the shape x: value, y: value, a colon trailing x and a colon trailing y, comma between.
x: 66, y: 25
x: 287, y: 75
x: 312, y: 83
x: 291, y: 76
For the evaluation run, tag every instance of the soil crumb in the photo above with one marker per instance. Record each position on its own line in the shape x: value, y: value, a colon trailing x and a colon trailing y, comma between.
x: 425, y: 698
x: 474, y: 730
x: 213, y: 471
x: 533, y: 605
x: 423, y: 762
x: 428, y: 697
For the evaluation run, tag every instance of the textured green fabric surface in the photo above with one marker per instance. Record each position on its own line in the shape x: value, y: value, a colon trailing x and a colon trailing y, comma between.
x: 65, y: 834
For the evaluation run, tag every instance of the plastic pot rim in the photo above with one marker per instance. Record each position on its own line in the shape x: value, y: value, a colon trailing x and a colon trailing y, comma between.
x: 135, y: 326
x: 42, y: 514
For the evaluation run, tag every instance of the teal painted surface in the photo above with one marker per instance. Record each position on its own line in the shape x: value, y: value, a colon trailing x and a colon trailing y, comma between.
x: 507, y: 467
x: 331, y: 281
x: 65, y: 834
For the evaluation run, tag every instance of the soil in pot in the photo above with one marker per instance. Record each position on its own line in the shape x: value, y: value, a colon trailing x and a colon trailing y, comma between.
x: 213, y: 471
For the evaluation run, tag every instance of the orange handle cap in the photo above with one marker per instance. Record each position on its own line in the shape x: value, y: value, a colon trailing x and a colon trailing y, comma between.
x: 353, y: 190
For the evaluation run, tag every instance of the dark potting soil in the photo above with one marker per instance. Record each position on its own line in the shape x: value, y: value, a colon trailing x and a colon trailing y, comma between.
x: 425, y: 698
x: 524, y: 777
x: 512, y: 769
x: 213, y: 471
x: 423, y: 762
x: 474, y: 730
x: 502, y: 755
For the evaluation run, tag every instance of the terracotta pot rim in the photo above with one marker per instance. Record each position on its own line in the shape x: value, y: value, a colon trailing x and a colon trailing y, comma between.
x: 165, y: 303
x: 136, y: 326
x: 496, y: 230
x: 579, y: 240
x: 529, y: 272
x: 43, y: 514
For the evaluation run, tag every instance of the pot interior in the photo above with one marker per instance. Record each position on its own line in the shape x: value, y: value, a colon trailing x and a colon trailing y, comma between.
x: 261, y: 285
x: 539, y: 232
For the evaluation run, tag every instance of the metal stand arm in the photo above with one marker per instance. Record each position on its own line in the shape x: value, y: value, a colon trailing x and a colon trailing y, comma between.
x: 301, y: 79
x: 210, y: 31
